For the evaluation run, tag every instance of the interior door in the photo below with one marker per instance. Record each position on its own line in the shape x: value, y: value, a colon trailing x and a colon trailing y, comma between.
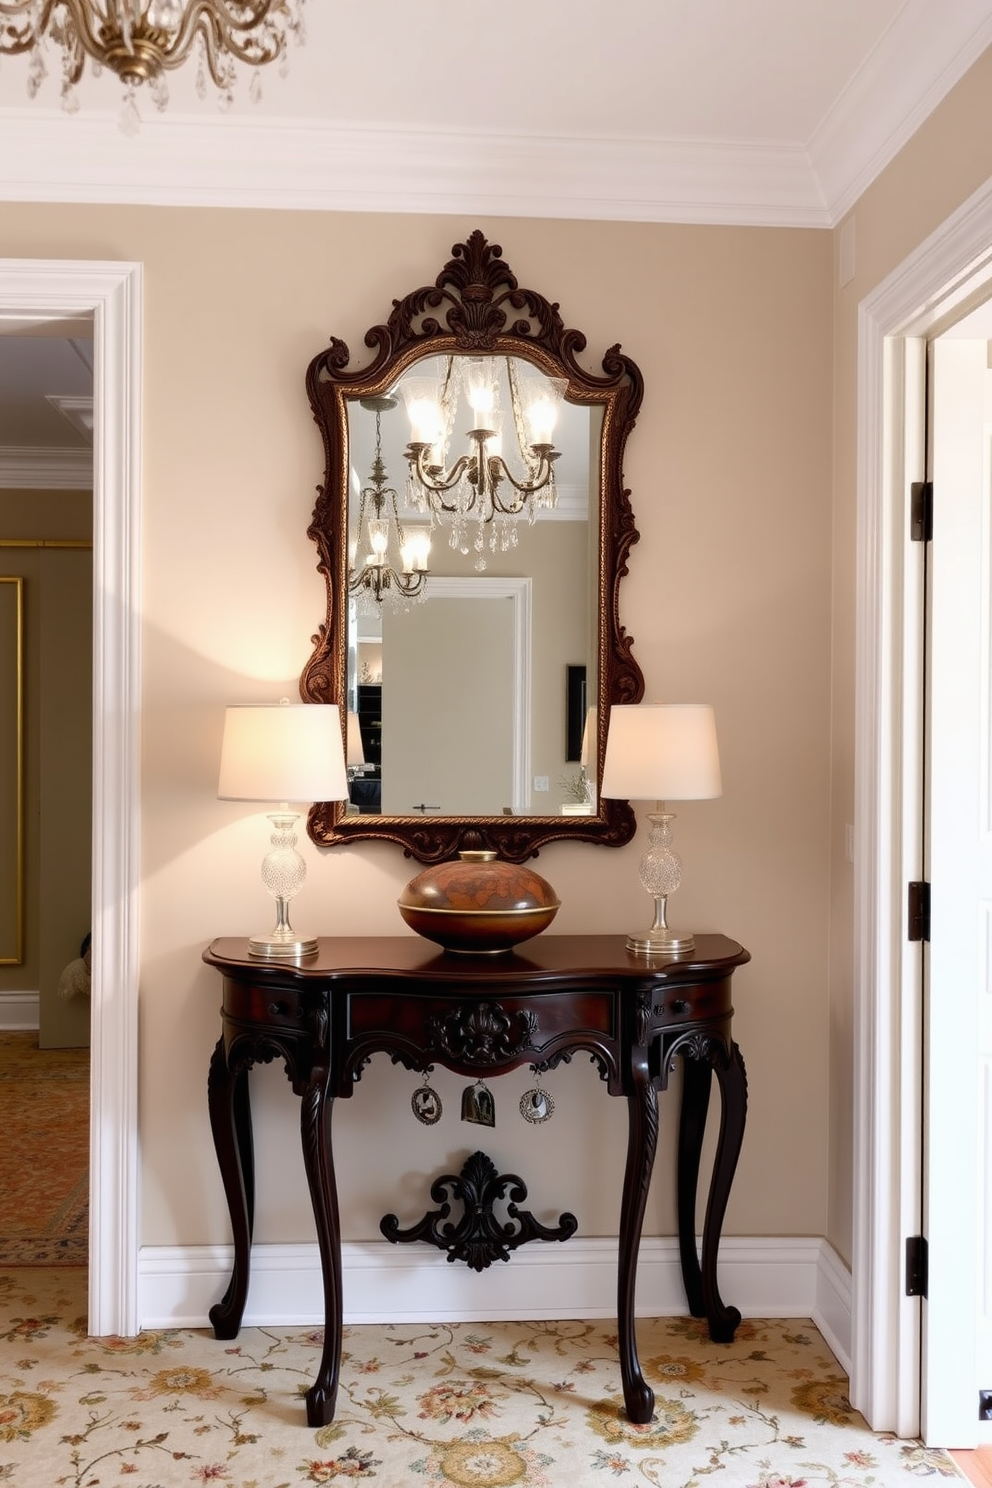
x: 957, y: 1339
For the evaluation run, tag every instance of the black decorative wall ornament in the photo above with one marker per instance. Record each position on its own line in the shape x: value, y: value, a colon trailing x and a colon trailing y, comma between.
x: 479, y: 1237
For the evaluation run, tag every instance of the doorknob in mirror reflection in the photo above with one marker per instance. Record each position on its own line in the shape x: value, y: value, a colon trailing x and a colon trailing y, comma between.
x: 286, y: 753
x: 661, y: 752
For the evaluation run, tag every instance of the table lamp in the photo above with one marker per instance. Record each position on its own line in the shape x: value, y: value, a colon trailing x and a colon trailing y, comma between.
x: 285, y: 752
x: 664, y: 752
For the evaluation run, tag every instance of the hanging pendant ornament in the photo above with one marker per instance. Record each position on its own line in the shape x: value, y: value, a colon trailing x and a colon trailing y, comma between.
x: 426, y: 1102
x: 537, y: 1105
x: 478, y: 1104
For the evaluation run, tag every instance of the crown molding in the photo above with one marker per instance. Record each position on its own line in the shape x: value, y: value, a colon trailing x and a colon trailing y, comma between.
x: 222, y: 161
x: 927, y: 49
x: 25, y: 468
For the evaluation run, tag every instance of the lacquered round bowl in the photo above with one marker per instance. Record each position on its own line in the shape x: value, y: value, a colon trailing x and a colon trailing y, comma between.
x: 477, y: 905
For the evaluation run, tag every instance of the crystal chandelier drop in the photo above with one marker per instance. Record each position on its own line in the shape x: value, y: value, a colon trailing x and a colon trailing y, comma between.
x: 480, y: 485
x: 142, y: 40
x: 379, y: 524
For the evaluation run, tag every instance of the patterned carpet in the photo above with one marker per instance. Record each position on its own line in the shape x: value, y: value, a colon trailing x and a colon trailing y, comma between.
x: 44, y: 1157
x: 508, y: 1405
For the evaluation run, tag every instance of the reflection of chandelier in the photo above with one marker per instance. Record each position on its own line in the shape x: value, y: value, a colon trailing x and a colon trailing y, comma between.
x: 378, y: 517
x: 480, y: 485
x: 141, y: 40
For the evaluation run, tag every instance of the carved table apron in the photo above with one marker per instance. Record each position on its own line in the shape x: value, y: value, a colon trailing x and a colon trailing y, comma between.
x: 560, y: 994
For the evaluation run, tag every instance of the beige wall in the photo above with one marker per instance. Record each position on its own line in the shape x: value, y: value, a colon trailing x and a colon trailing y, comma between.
x: 940, y: 167
x: 727, y: 600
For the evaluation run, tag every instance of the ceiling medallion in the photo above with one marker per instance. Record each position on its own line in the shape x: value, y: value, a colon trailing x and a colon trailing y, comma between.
x: 142, y: 40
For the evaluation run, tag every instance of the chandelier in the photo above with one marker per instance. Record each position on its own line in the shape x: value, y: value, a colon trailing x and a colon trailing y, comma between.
x: 379, y: 523
x: 480, y: 485
x: 142, y: 40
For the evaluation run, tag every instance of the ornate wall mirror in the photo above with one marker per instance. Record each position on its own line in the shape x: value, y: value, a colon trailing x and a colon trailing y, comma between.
x: 473, y: 529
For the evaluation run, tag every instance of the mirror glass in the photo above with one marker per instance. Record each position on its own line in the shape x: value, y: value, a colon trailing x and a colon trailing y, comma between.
x: 472, y: 695
x: 473, y: 530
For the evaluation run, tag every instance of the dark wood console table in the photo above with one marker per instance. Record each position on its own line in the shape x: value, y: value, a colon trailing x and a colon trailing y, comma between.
x: 482, y: 1016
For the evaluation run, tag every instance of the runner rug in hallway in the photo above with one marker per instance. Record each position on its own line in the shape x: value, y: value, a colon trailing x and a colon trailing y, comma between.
x: 44, y: 1155
x: 472, y: 1405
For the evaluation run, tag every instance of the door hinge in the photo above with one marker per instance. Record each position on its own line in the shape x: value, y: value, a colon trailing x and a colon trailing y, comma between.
x: 917, y: 1266
x: 921, y: 511
x: 918, y: 911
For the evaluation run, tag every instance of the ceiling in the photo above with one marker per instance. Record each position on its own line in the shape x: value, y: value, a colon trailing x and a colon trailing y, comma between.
x: 774, y: 111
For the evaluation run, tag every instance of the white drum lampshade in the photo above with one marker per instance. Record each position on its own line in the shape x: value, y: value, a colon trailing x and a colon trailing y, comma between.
x: 283, y: 753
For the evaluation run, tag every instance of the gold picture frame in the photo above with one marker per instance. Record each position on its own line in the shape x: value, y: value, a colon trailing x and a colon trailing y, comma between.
x: 11, y: 771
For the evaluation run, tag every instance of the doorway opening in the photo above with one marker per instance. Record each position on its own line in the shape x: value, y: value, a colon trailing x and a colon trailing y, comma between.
x: 35, y: 291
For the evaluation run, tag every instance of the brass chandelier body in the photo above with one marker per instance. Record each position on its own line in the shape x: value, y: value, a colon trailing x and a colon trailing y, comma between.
x: 485, y: 475
x: 141, y: 40
x: 379, y: 519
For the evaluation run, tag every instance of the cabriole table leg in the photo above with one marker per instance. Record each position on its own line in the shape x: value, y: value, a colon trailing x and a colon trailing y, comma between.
x: 642, y: 1140
x: 315, y: 1125
x: 230, y: 1122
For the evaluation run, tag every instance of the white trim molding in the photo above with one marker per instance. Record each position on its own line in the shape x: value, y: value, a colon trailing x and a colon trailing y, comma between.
x: 111, y: 293
x: 19, y: 1011
x: 25, y: 468
x: 295, y: 165
x: 383, y: 1283
x: 940, y: 275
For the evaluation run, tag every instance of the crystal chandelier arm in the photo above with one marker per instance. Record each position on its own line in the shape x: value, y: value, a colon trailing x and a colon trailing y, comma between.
x: 253, y: 31
x: 22, y: 23
x: 499, y: 471
x: 432, y: 477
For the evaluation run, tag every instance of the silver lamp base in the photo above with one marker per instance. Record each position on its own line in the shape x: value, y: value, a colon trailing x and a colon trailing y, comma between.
x: 276, y: 947
x: 664, y: 943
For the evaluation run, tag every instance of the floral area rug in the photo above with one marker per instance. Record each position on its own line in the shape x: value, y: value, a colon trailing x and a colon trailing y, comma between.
x: 44, y: 1157
x: 448, y: 1406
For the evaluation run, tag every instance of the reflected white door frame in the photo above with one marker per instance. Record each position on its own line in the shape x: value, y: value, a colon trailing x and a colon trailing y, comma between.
x: 33, y: 291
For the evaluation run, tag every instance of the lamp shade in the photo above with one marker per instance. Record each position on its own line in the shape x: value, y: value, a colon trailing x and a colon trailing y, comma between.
x: 661, y: 752
x: 283, y: 752
x: 356, y: 749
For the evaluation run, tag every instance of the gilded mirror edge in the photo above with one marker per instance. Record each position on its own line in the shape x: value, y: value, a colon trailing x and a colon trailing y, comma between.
x: 513, y: 839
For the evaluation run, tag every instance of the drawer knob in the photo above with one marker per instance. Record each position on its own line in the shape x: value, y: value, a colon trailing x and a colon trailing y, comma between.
x: 678, y: 1005
x: 277, y: 1010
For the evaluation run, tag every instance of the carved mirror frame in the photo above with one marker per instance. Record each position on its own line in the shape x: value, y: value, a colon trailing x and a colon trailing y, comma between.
x: 474, y: 307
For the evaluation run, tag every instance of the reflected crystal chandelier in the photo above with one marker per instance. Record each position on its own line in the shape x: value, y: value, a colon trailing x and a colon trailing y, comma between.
x: 480, y: 485
x: 379, y: 523
x: 142, y: 40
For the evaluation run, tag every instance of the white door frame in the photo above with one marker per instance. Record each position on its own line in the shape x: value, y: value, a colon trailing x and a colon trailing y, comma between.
x: 946, y: 272
x: 43, y: 290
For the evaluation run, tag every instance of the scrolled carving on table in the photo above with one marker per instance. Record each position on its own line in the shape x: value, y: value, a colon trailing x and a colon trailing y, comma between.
x: 482, y: 1034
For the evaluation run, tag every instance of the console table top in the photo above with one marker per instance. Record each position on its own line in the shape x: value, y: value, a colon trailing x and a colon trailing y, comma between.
x: 545, y: 955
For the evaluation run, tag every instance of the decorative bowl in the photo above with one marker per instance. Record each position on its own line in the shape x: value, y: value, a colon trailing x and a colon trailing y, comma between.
x: 477, y: 905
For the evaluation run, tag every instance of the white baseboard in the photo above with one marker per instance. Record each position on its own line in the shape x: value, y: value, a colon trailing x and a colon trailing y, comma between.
x: 19, y: 1011
x: 763, y: 1277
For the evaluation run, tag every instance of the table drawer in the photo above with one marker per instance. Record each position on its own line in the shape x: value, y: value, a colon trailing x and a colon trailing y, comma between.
x: 484, y: 1033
